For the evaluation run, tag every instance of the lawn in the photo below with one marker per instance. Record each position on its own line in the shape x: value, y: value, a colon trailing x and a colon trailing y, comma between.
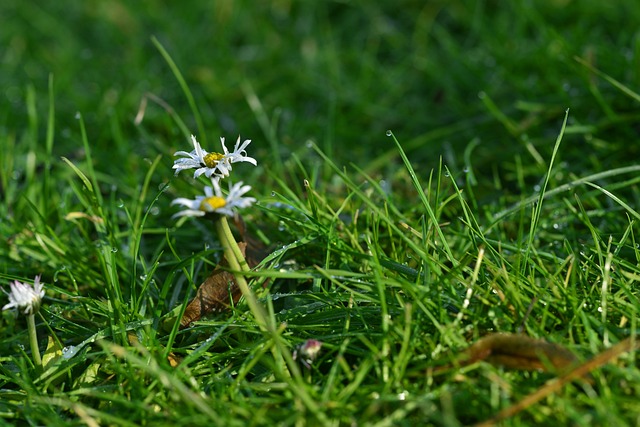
x: 443, y: 231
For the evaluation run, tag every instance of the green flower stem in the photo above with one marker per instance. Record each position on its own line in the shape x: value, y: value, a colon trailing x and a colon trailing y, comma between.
x: 33, y: 340
x: 232, y: 242
x: 233, y: 257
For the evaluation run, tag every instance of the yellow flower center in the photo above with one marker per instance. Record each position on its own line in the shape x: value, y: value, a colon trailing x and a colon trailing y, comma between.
x: 214, y: 203
x: 211, y: 159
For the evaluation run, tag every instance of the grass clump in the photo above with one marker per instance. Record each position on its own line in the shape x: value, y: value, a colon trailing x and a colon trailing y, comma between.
x: 442, y: 174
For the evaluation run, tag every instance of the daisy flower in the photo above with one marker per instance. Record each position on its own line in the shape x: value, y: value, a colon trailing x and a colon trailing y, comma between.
x: 25, y: 297
x: 213, y: 164
x: 214, y: 201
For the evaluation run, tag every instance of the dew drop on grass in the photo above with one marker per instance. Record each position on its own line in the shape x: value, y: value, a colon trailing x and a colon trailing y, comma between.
x: 143, y: 277
x: 69, y: 352
x: 77, y: 116
x: 273, y: 194
x: 114, y: 250
x: 389, y: 133
x: 385, y: 186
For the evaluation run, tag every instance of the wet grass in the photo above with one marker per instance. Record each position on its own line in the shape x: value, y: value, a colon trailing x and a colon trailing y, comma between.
x: 427, y: 174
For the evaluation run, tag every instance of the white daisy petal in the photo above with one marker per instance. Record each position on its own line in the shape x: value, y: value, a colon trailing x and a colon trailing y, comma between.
x: 200, y: 171
x: 240, y: 155
x: 242, y: 147
x: 200, y: 153
x: 184, y: 153
x: 189, y: 212
x: 182, y: 201
x: 224, y: 147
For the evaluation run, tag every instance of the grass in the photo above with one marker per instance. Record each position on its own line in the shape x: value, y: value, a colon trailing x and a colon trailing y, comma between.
x: 503, y: 199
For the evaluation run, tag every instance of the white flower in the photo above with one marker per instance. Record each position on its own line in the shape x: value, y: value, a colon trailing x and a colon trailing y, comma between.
x: 23, y: 296
x: 216, y: 164
x: 214, y: 201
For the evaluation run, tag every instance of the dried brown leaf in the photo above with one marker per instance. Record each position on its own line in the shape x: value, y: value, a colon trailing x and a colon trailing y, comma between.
x: 517, y: 351
x: 215, y: 294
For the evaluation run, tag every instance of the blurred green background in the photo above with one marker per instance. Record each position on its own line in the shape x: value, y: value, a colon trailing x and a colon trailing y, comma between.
x: 338, y: 72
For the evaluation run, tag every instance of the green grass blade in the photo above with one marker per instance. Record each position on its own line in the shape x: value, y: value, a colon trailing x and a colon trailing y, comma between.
x: 202, y: 134
x: 423, y: 199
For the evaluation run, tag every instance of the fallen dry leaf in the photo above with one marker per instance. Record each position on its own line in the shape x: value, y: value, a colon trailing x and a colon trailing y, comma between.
x: 215, y: 294
x: 517, y: 351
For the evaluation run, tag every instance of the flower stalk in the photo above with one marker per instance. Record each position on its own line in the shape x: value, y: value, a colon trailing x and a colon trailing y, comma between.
x: 33, y: 340
x: 234, y: 257
x: 228, y: 235
x: 237, y: 262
